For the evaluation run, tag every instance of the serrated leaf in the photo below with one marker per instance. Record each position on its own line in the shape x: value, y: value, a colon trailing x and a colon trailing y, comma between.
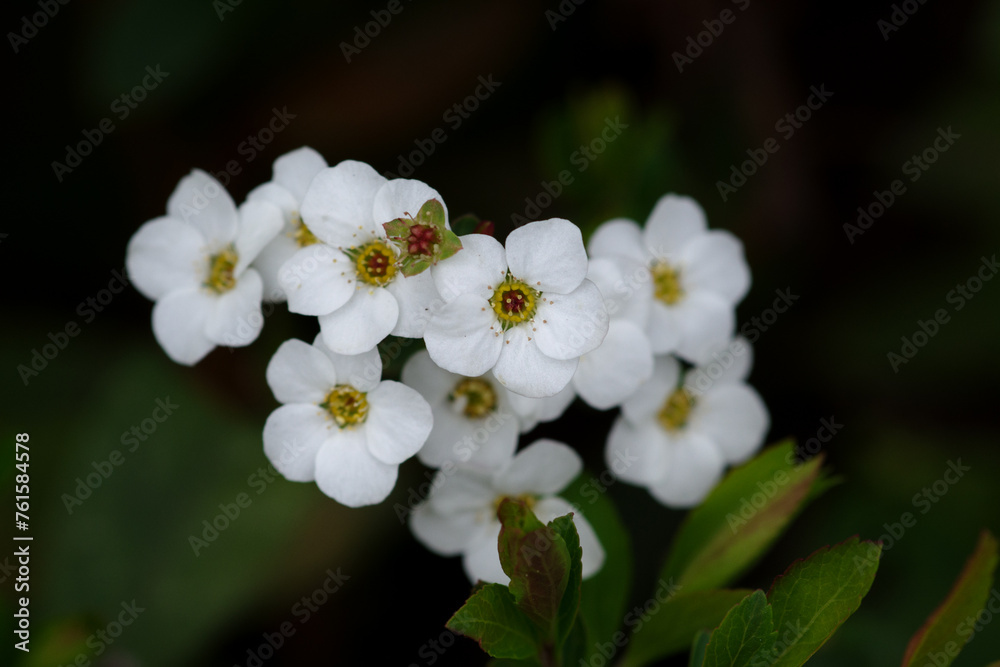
x: 491, y: 617
x: 569, y: 606
x: 745, y: 633
x: 606, y: 593
x: 698, y: 646
x: 816, y: 595
x: 943, y: 634
x: 671, y: 629
x: 741, y: 518
x: 536, y: 558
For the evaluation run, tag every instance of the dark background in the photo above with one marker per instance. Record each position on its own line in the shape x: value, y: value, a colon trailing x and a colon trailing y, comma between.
x: 826, y: 357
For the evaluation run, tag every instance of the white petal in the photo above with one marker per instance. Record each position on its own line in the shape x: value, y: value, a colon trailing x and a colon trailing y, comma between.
x: 619, y: 237
x: 462, y: 490
x: 418, y: 300
x: 482, y: 558
x: 695, y: 468
x: 165, y: 255
x: 674, y: 222
x: 615, y: 370
x: 524, y: 369
x: 445, y: 535
x: 626, y: 286
x: 663, y: 329
x: 706, y: 322
x: 403, y: 197
x: 347, y: 472
x: 237, y: 319
x: 548, y: 509
x: 638, y: 454
x: 464, y: 336
x: 399, y: 421
x: 318, y: 279
x: 433, y: 382
x: 532, y: 411
x: 278, y: 195
x: 715, y: 262
x: 478, y: 268
x: 337, y: 207
x: 734, y: 417
x: 727, y: 365
x: 179, y: 321
x: 293, y: 436
x: 363, y: 371
x: 647, y: 401
x: 294, y: 171
x: 568, y: 325
x: 485, y: 444
x: 299, y: 373
x: 269, y: 262
x: 200, y: 200
x: 260, y: 222
x: 544, y: 467
x: 361, y: 323
x: 548, y: 255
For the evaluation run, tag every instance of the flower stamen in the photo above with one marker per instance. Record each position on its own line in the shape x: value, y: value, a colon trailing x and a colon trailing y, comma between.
x: 514, y: 302
x: 666, y: 283
x: 375, y: 263
x: 347, y: 406
x: 301, y: 234
x: 676, y: 410
x: 221, y: 276
x: 475, y: 397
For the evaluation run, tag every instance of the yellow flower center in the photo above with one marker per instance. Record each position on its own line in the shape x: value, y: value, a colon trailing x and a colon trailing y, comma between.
x: 676, y: 410
x: 347, y: 406
x: 221, y: 268
x: 666, y: 283
x: 475, y: 397
x: 514, y: 302
x: 301, y: 234
x: 376, y: 263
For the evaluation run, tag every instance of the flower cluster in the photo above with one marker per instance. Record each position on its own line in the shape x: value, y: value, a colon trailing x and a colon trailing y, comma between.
x: 640, y: 317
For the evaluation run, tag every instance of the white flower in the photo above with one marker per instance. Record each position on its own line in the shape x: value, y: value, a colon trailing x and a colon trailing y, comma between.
x: 473, y: 422
x: 697, y: 275
x: 350, y: 280
x: 611, y: 373
x: 340, y: 425
x: 460, y: 517
x: 293, y: 172
x: 194, y: 262
x: 534, y: 411
x: 527, y: 312
x: 679, y: 436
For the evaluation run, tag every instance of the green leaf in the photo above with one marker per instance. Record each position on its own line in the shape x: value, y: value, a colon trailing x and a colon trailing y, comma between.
x: 741, y: 518
x: 569, y: 606
x: 606, y: 593
x: 816, y: 595
x: 671, y: 629
x: 746, y: 632
x: 698, y: 649
x: 537, y: 560
x: 943, y: 635
x: 491, y: 617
